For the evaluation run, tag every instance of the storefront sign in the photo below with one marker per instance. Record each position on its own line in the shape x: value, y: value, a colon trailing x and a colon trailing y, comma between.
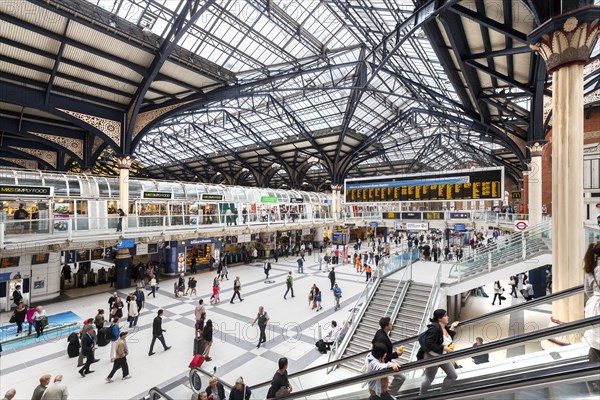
x: 45, y: 191
x: 268, y: 199
x: 305, y: 231
x: 244, y: 238
x: 191, y: 242
x: 374, y: 224
x: 296, y: 200
x: 413, y: 226
x: 141, y: 249
x: 460, y: 227
x: 516, y: 195
x: 459, y: 215
x: 327, y: 201
x: 157, y: 195
x: 217, y: 197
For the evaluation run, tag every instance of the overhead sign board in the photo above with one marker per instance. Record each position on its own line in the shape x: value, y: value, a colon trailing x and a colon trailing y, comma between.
x: 268, y: 199
x: 470, y: 184
x: 157, y: 195
x: 296, y: 200
x: 460, y: 215
x: 521, y: 224
x: 45, y: 191
x: 415, y: 226
x: 217, y: 197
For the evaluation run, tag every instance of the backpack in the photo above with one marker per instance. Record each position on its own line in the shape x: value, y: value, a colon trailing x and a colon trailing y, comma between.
x: 422, y: 337
x: 73, y: 338
x: 104, y: 336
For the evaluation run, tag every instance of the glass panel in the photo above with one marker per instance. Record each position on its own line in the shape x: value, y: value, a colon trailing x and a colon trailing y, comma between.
x: 74, y: 186
x: 28, y: 178
x: 59, y: 184
x: 135, y: 189
x: 103, y: 188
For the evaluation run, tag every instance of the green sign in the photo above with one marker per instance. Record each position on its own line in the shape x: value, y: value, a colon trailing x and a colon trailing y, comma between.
x: 157, y: 195
x: 26, y: 190
x: 218, y: 197
x: 268, y: 199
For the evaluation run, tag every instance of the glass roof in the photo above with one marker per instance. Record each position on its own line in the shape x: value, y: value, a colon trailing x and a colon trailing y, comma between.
x: 330, y: 43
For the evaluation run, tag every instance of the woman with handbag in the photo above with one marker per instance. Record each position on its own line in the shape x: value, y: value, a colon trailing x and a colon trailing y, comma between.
x: 280, y: 385
x: 40, y: 320
x: 132, y: 311
x: 117, y: 308
x: 497, y: 293
x: 18, y: 318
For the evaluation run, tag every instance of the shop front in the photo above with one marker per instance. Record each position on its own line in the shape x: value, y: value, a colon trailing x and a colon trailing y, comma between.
x: 181, y: 255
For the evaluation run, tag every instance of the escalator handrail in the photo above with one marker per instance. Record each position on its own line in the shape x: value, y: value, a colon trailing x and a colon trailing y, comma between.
x: 531, y: 378
x: 499, y: 344
x: 508, y: 310
x: 162, y: 394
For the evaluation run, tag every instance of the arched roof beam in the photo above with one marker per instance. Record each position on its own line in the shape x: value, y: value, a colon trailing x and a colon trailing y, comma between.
x: 169, y: 43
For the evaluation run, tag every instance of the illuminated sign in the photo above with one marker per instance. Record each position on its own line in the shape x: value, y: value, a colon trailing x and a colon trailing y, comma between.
x: 218, y: 197
x: 45, y: 191
x: 157, y: 195
x: 472, y: 184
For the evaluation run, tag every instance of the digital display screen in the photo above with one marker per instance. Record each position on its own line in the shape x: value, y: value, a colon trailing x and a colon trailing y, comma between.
x: 472, y: 184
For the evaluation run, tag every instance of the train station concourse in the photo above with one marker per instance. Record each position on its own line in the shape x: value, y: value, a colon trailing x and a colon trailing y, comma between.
x: 299, y: 199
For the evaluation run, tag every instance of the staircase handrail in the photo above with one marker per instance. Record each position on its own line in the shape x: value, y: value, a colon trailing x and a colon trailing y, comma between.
x: 507, y: 243
x: 433, y: 294
x: 489, y: 316
x: 517, y: 340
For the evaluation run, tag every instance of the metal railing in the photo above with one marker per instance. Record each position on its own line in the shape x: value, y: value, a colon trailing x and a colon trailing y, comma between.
x: 494, y: 315
x: 500, y: 344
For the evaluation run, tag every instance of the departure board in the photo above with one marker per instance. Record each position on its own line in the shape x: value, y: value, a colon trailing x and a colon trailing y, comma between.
x: 472, y: 184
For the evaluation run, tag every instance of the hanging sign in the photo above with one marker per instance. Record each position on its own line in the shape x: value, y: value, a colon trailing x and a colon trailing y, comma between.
x: 296, y: 200
x: 157, y: 195
x: 217, y: 197
x: 521, y: 224
x: 20, y: 190
x: 268, y: 199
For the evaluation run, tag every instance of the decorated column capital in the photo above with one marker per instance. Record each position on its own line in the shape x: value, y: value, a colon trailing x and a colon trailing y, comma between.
x: 568, y: 38
x: 335, y: 187
x: 536, y: 148
x: 124, y: 161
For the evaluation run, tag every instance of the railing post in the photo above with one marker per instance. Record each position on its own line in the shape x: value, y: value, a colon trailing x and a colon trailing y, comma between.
x: 489, y: 262
x: 70, y: 229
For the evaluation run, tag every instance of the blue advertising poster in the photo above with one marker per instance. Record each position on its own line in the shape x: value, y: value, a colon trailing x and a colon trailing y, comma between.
x: 460, y: 227
x: 126, y: 244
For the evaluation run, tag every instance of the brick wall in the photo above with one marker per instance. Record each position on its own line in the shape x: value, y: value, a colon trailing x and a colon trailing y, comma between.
x: 591, y: 127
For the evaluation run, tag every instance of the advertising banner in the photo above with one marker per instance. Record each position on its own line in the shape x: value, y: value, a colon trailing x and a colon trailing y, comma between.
x: 61, y: 216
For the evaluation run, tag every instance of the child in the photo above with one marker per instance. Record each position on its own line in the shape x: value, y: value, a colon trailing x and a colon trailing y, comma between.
x: 318, y: 300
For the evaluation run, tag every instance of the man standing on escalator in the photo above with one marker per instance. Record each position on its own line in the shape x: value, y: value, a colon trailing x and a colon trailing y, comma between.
x: 382, y: 336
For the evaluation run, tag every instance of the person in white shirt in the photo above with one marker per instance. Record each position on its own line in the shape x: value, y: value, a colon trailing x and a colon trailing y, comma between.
x: 39, y: 314
x: 333, y: 335
x: 152, y: 286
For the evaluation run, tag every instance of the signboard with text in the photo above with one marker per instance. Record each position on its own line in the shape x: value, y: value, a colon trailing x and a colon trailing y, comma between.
x: 44, y: 191
x: 217, y: 197
x: 157, y: 195
x: 414, y: 226
x: 471, y: 184
x: 268, y: 199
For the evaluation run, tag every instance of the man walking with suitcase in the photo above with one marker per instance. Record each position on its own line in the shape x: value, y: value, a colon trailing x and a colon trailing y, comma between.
x: 157, y: 332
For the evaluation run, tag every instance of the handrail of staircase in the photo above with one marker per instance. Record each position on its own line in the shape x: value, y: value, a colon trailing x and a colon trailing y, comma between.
x: 435, y: 289
x: 404, y: 289
x: 154, y: 392
x: 508, y: 241
x: 485, y: 348
x: 492, y: 315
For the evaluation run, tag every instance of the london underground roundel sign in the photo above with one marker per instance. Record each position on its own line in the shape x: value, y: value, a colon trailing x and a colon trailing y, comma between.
x: 521, y: 224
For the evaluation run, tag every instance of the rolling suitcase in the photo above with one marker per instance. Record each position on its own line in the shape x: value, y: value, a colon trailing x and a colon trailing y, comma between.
x: 102, y: 276
x: 199, y: 345
x: 197, y: 361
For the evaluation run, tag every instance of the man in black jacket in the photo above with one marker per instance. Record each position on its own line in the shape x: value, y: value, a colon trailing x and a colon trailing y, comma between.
x: 382, y: 336
x: 17, y: 296
x: 88, y: 346
x: 157, y: 333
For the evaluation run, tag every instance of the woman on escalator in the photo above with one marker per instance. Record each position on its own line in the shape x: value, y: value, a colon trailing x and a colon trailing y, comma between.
x: 435, y: 341
x: 591, y: 267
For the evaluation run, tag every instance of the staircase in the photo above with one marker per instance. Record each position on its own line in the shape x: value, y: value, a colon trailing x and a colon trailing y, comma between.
x: 511, y: 249
x: 409, y: 318
x: 383, y: 302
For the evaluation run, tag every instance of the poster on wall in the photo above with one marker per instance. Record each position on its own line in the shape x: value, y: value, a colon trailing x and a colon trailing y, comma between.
x: 181, y: 262
x: 194, y: 213
x: 40, y: 259
x: 152, y: 248
x: 61, y: 216
x: 97, y: 254
x: 141, y: 249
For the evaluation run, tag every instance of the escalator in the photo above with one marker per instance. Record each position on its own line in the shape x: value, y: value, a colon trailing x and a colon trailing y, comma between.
x: 316, y: 377
x: 570, y: 378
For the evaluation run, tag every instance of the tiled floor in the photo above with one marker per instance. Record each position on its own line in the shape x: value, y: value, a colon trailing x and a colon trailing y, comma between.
x: 293, y: 331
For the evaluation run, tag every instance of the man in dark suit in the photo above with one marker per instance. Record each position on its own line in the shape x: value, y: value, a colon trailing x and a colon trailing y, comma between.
x: 382, y: 336
x: 157, y: 332
x: 17, y: 296
x: 88, y: 347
